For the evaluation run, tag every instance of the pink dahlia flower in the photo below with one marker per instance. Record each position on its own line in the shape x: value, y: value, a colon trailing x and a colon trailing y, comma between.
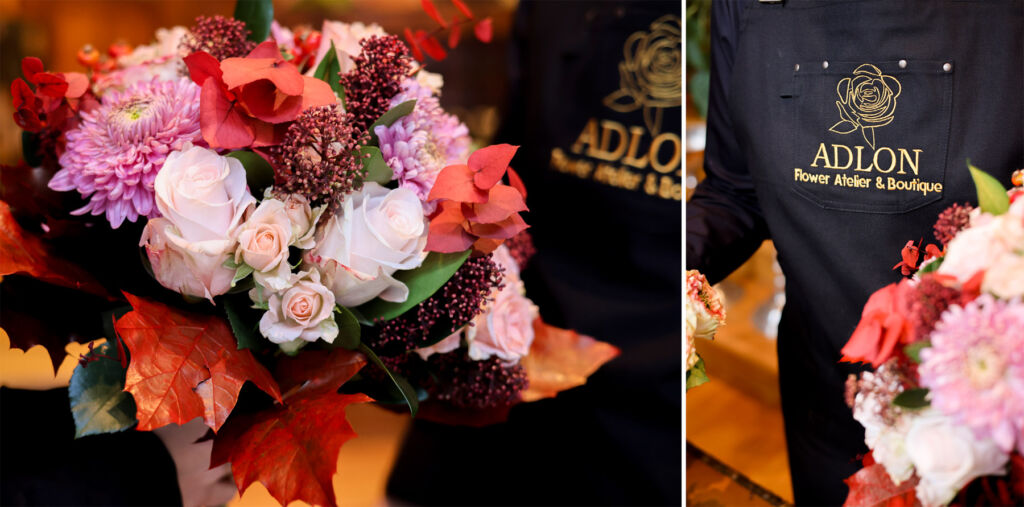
x: 419, y: 145
x: 114, y: 153
x: 975, y: 368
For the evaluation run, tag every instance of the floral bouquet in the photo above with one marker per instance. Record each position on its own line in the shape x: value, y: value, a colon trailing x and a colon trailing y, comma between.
x: 704, y: 313
x: 332, y: 236
x: 943, y: 410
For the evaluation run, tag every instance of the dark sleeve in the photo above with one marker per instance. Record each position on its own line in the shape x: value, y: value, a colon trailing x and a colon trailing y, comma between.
x: 724, y: 223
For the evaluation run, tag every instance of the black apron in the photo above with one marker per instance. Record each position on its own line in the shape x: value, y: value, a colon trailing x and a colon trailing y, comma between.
x: 855, y: 120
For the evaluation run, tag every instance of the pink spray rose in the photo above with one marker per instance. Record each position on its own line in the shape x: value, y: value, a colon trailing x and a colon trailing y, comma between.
x: 506, y: 328
x: 263, y: 244
x: 302, y: 312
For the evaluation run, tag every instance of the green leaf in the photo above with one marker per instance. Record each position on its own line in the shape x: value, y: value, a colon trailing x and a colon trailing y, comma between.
x: 423, y: 282
x: 696, y: 375
x: 348, y: 329
x: 386, y: 119
x: 913, y: 351
x: 30, y: 149
x: 699, y: 87
x: 409, y: 394
x: 99, y: 403
x: 328, y: 71
x: 257, y: 15
x: 243, y: 271
x: 238, y: 313
x: 931, y: 266
x: 258, y: 172
x: 912, y: 398
x: 373, y: 163
x: 992, y: 196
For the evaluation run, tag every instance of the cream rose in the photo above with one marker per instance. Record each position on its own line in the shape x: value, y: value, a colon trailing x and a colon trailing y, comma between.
x: 980, y: 245
x: 948, y: 456
x: 505, y: 329
x: 263, y: 244
x: 303, y: 311
x: 203, y: 199
x: 346, y: 37
x: 377, y: 232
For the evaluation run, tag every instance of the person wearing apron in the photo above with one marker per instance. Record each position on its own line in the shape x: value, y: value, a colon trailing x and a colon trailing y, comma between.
x: 840, y: 130
x: 595, y: 88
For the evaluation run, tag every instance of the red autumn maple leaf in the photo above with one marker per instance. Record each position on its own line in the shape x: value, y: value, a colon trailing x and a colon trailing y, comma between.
x: 291, y: 449
x: 247, y: 102
x: 317, y: 371
x: 21, y: 252
x: 561, y: 359
x: 475, y: 208
x: 185, y: 365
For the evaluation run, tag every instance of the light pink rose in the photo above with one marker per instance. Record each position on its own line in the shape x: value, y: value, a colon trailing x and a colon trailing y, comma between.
x: 203, y: 199
x: 503, y: 257
x: 303, y: 311
x: 303, y: 219
x: 444, y: 346
x: 263, y: 244
x: 1005, y: 277
x: 980, y: 245
x: 376, y: 233
x: 346, y: 37
x: 181, y: 268
x: 505, y: 329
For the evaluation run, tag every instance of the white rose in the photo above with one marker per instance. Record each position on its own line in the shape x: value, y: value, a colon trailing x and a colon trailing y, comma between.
x: 948, y: 456
x: 1005, y: 277
x: 980, y: 245
x: 263, y: 244
x: 303, y: 311
x: 377, y: 232
x: 180, y: 268
x: 505, y: 329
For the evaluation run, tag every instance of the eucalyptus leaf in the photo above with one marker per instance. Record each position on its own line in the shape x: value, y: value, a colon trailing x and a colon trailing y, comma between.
x: 409, y: 395
x: 258, y: 173
x: 243, y: 321
x: 422, y: 282
x: 373, y: 163
x: 386, y: 119
x: 329, y: 71
x: 696, y: 375
x: 992, y: 196
x: 99, y: 403
x: 912, y: 398
x: 257, y: 15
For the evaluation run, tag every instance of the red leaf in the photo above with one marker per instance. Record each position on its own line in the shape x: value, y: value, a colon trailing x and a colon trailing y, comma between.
x: 413, y: 45
x: 516, y: 181
x: 265, y: 49
x: 483, y: 30
x: 504, y: 229
x: 455, y: 33
x: 50, y: 85
x: 261, y: 100
x: 24, y: 253
x: 316, y: 93
x: 560, y: 359
x: 502, y: 202
x: 317, y: 371
x: 30, y: 66
x: 484, y: 246
x: 292, y: 450
x: 431, y: 10
x: 22, y: 94
x: 490, y: 163
x: 202, y: 65
x: 185, y: 365
x: 241, y: 71
x: 434, y: 49
x: 221, y: 123
x: 456, y: 182
x: 447, y: 230
x: 462, y: 7
x: 78, y: 84
x: 871, y: 486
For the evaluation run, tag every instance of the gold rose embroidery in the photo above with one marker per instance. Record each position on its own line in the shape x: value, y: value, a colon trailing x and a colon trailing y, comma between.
x: 866, y: 101
x: 650, y: 75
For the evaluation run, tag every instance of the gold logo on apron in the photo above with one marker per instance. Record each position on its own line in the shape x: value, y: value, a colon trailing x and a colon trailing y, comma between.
x: 867, y: 100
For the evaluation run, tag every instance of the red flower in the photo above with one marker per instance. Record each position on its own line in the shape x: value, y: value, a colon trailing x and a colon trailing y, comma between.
x: 247, y: 102
x: 55, y: 99
x: 883, y: 324
x: 475, y: 208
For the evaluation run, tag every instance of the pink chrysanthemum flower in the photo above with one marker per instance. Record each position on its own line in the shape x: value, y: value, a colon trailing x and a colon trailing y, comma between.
x: 116, y: 150
x: 975, y: 368
x: 419, y: 145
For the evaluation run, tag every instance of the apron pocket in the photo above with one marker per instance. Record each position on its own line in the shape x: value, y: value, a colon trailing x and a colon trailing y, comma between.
x: 871, y: 137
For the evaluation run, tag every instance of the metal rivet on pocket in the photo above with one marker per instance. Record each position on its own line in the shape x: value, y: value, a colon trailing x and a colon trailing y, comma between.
x: 947, y: 66
x: 903, y: 64
x: 824, y: 65
x: 796, y: 67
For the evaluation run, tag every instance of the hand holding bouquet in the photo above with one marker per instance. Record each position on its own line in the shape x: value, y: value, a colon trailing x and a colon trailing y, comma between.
x: 704, y: 313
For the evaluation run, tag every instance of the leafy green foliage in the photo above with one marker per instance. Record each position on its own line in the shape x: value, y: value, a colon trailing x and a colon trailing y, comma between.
x: 348, y: 329
x: 386, y: 119
x: 913, y: 350
x: 423, y: 282
x: 409, y: 395
x: 912, y: 398
x: 328, y: 71
x: 373, y: 163
x: 99, y: 403
x: 992, y: 196
x: 257, y: 15
x: 258, y: 172
x: 239, y: 317
x: 696, y: 376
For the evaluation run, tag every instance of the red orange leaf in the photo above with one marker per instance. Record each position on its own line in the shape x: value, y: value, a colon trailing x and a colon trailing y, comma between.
x: 560, y: 359
x: 490, y: 164
x: 316, y: 93
x: 502, y: 202
x: 78, y: 83
x: 185, y: 365
x: 317, y: 371
x: 240, y: 71
x: 202, y: 65
x: 221, y: 123
x: 447, y: 230
x: 261, y: 100
x: 504, y: 229
x: 21, y: 252
x: 431, y: 10
x: 483, y: 30
x: 50, y: 85
x: 516, y: 181
x: 291, y: 449
x: 455, y: 33
x: 462, y: 7
x: 31, y: 65
x: 417, y: 53
x: 434, y: 49
x: 455, y: 182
